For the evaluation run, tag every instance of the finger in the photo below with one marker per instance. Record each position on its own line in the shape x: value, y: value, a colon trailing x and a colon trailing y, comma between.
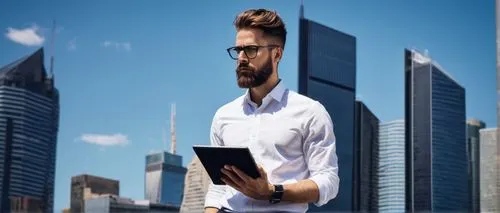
x: 233, y: 178
x: 229, y: 182
x: 244, y: 177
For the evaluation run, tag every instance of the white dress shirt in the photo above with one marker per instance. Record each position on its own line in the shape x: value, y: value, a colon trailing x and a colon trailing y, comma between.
x: 290, y: 135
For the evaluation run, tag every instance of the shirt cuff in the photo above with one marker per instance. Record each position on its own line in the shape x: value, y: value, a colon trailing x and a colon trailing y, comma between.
x: 328, y: 187
x: 214, y: 195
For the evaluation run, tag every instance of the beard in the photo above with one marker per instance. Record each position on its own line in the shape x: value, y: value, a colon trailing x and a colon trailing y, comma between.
x: 248, y: 77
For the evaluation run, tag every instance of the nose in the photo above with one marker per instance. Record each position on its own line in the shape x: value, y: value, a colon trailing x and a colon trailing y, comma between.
x: 242, y: 57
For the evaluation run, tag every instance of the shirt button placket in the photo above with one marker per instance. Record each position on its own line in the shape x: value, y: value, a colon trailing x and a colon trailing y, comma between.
x: 253, y: 128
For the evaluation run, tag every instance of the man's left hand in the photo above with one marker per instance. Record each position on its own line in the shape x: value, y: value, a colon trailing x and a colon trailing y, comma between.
x: 258, y: 188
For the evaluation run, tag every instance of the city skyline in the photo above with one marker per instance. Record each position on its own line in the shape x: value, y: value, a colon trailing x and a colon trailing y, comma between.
x: 120, y: 126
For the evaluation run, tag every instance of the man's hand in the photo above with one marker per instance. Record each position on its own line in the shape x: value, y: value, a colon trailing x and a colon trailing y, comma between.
x: 259, y: 188
x: 211, y: 210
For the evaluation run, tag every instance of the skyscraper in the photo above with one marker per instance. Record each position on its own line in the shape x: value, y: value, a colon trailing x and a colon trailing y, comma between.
x: 366, y: 159
x: 490, y: 193
x: 195, y: 187
x: 436, y: 156
x: 473, y: 143
x: 29, y: 120
x: 164, y: 178
x: 327, y: 73
x: 392, y: 167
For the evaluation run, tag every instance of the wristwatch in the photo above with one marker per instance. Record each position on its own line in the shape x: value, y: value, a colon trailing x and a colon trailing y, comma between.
x: 277, y: 194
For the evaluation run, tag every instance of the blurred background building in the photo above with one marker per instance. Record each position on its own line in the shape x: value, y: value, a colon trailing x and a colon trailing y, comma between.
x: 164, y: 178
x: 489, y: 179
x: 195, y: 187
x: 85, y: 186
x: 473, y: 156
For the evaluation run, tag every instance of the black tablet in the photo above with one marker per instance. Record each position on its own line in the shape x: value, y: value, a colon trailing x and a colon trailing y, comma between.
x: 214, y: 158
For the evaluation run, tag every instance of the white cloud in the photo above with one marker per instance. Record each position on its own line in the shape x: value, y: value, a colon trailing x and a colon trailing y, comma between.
x: 30, y: 36
x: 118, y: 45
x: 72, y: 44
x: 105, y: 140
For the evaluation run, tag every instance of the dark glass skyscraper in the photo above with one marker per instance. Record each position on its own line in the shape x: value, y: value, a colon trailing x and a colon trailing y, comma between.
x: 366, y: 160
x: 164, y: 178
x: 29, y: 120
x: 327, y: 73
x: 473, y: 147
x: 436, y: 156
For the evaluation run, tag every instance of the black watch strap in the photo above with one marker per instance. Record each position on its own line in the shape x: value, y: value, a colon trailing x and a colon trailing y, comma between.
x: 277, y: 194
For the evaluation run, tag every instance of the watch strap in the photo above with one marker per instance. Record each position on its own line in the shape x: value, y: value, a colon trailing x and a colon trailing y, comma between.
x: 277, y: 195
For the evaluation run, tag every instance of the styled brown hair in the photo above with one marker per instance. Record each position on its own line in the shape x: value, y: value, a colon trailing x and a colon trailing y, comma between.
x: 268, y: 21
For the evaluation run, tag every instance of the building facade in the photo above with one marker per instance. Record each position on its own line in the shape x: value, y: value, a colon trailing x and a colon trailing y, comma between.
x: 29, y: 123
x: 196, y: 187
x: 117, y: 204
x: 164, y: 179
x: 391, y: 170
x: 436, y: 156
x: 473, y: 144
x: 92, y: 185
x: 489, y: 178
x: 366, y: 160
x: 327, y: 73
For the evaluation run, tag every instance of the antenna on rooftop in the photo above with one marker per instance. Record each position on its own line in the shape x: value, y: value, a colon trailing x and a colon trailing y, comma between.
x: 52, y: 49
x: 172, y: 129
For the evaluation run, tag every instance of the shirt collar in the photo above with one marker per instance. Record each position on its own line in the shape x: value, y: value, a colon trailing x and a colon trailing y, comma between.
x: 276, y: 93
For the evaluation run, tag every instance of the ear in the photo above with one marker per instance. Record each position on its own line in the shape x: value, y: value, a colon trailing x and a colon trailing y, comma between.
x: 278, y: 54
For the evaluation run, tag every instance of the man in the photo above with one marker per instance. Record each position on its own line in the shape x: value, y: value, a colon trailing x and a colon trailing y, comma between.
x: 289, y: 135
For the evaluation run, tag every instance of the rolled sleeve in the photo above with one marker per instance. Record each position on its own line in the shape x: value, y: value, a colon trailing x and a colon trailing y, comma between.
x: 215, y: 192
x: 320, y: 153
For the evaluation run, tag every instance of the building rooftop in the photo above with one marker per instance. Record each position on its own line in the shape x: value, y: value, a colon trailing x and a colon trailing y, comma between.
x: 28, y: 72
x: 424, y: 59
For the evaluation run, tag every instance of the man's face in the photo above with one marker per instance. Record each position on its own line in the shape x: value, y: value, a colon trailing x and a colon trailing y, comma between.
x: 256, y: 65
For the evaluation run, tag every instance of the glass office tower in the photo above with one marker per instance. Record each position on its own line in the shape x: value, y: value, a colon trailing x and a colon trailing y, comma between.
x: 436, y: 156
x: 366, y: 160
x: 29, y: 121
x: 164, y: 178
x: 327, y: 73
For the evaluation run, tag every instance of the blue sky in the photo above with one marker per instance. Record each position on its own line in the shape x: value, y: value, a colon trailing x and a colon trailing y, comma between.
x: 120, y: 64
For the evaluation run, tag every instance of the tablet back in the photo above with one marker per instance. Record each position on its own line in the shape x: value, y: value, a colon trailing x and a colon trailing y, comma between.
x: 214, y: 159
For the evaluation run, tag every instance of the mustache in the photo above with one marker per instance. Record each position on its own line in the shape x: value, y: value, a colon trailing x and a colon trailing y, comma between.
x: 244, y: 68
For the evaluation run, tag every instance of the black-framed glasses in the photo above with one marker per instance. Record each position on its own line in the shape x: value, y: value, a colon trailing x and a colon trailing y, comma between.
x: 250, y: 50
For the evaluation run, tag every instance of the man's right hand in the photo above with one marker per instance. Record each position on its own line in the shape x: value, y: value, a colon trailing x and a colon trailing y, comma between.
x: 211, y: 210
